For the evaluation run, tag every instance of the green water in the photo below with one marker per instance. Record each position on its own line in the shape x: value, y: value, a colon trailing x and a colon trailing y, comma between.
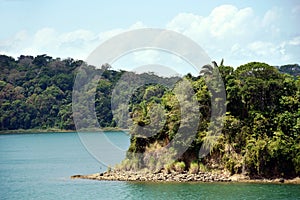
x: 38, y: 166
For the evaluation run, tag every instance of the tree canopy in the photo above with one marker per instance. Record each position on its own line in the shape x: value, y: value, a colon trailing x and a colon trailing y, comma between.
x: 261, y: 128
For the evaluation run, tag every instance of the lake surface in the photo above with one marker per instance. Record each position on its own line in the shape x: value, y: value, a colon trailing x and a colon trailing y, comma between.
x: 39, y: 166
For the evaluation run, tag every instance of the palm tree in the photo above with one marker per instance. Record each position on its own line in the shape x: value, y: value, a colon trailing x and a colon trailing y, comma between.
x: 208, y: 69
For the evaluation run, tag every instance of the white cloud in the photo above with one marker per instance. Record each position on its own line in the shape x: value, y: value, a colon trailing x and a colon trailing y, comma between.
x: 261, y: 48
x: 76, y: 44
x: 14, y: 43
x: 238, y: 35
x: 48, y: 41
x: 45, y: 36
x: 222, y: 34
x: 83, y: 35
x: 295, y: 41
x: 225, y: 19
x: 270, y: 17
x: 221, y: 23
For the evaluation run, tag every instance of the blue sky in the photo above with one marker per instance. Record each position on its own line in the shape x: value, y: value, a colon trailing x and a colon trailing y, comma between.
x: 238, y: 31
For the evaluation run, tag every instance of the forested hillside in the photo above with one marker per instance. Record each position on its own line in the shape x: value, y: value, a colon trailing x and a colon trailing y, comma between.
x: 36, y: 92
x: 293, y: 70
x: 261, y: 132
x: 260, y: 136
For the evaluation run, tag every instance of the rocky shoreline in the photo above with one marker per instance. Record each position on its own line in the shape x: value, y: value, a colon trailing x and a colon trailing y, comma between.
x: 177, y: 177
x: 155, y: 177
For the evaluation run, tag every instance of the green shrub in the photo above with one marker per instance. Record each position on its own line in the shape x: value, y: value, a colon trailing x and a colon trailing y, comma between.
x: 179, y: 166
x: 230, y: 166
x: 194, y: 168
x: 168, y: 167
x: 202, y: 167
x: 128, y: 164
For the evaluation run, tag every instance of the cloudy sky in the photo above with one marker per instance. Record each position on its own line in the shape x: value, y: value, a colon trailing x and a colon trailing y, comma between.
x: 238, y: 31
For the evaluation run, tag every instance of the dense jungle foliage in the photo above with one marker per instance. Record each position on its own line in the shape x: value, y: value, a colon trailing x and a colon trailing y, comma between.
x: 260, y: 134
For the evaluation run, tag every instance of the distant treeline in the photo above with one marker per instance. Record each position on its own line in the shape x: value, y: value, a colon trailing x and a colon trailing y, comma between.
x: 261, y: 132
x: 36, y: 92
